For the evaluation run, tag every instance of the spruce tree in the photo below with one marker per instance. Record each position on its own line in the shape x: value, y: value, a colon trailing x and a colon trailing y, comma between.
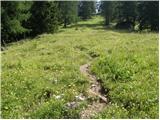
x: 68, y: 12
x: 44, y: 17
x: 148, y: 16
x: 14, y: 15
x: 86, y: 9
x: 106, y: 9
x: 125, y: 14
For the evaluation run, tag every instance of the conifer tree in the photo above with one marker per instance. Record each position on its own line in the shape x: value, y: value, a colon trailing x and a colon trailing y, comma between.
x: 106, y: 9
x: 86, y: 9
x: 148, y: 15
x: 68, y: 12
x: 44, y: 18
x: 125, y: 14
x: 14, y: 14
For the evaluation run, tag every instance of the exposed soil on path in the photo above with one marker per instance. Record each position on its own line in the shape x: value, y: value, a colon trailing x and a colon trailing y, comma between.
x: 95, y: 90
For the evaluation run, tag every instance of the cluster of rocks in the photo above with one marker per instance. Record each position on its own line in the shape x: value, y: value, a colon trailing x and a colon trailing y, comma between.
x: 76, y: 103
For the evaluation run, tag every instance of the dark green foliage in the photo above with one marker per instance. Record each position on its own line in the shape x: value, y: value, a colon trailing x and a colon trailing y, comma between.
x: 14, y: 15
x: 125, y: 14
x: 86, y: 9
x: 106, y: 9
x: 128, y: 13
x: 44, y: 17
x: 21, y: 19
x: 68, y: 12
x: 148, y: 16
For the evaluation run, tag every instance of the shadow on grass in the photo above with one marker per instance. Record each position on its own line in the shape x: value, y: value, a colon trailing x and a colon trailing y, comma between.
x: 112, y: 27
x: 95, y: 26
x: 99, y: 25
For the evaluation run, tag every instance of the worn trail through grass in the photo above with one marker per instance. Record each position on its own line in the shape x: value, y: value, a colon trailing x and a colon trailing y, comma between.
x: 94, y: 90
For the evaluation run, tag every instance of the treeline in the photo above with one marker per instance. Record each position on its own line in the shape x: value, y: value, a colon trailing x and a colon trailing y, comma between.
x: 131, y: 14
x: 21, y: 19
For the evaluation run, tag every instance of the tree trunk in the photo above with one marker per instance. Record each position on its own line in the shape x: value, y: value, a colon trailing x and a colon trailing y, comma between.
x: 65, y: 23
x: 3, y: 43
x: 107, y: 20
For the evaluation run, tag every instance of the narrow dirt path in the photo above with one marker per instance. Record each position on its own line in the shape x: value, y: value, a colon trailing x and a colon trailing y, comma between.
x: 95, y: 90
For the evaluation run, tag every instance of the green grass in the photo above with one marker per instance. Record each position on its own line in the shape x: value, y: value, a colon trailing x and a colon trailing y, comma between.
x: 34, y: 71
x: 130, y: 74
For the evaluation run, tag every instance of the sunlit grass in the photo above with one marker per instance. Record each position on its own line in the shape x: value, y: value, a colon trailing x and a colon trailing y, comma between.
x: 37, y: 70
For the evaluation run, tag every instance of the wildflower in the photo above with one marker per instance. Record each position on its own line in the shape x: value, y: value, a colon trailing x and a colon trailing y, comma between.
x: 80, y: 97
x: 58, y: 96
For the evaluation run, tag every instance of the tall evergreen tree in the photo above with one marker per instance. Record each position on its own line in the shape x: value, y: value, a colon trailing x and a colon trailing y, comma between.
x: 106, y: 9
x: 148, y: 16
x: 68, y: 12
x: 86, y: 9
x: 14, y: 15
x: 125, y: 13
x: 44, y: 17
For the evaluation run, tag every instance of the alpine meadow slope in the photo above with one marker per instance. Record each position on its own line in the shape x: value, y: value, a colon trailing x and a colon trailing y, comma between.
x: 40, y: 76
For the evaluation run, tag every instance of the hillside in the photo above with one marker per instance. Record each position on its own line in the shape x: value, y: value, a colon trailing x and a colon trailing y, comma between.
x: 41, y: 76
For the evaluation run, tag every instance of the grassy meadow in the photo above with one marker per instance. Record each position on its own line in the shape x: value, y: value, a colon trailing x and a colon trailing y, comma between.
x: 40, y: 75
